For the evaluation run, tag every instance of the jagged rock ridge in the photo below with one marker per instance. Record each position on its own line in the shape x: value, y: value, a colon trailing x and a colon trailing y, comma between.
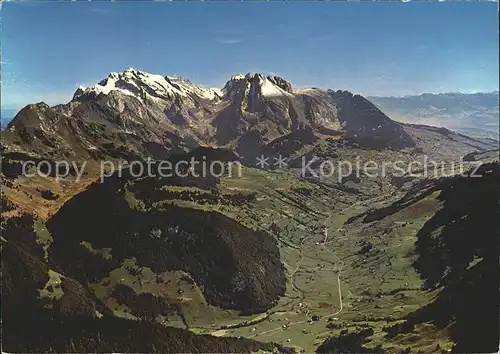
x: 134, y: 113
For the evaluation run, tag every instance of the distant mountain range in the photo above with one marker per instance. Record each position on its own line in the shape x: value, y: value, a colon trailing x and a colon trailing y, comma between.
x: 134, y: 113
x: 473, y: 114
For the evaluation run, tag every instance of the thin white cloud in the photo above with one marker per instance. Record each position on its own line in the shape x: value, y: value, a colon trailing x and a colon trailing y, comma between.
x: 101, y: 11
x: 228, y: 40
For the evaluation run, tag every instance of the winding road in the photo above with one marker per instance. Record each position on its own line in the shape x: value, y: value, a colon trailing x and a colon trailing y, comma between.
x: 339, y: 273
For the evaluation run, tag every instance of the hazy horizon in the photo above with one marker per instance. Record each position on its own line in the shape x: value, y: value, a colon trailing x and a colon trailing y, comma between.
x: 374, y: 49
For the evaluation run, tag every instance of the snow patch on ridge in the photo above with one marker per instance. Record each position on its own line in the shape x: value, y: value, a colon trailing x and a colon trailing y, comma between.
x: 189, y: 87
x: 238, y: 77
x: 268, y: 89
x: 133, y: 82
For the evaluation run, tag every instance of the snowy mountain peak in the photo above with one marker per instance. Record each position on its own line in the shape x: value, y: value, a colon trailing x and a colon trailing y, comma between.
x: 269, y: 86
x: 143, y: 85
x: 187, y: 85
x: 256, y: 84
x: 281, y: 83
x: 146, y: 86
x: 237, y: 77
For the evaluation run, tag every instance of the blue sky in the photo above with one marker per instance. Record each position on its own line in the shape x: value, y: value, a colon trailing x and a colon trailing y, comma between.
x: 372, y: 48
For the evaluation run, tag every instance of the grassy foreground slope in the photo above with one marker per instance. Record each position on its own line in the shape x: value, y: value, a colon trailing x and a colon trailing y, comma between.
x: 44, y: 310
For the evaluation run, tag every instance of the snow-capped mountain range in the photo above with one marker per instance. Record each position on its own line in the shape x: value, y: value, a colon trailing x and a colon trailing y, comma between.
x: 137, y: 114
x: 141, y: 85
